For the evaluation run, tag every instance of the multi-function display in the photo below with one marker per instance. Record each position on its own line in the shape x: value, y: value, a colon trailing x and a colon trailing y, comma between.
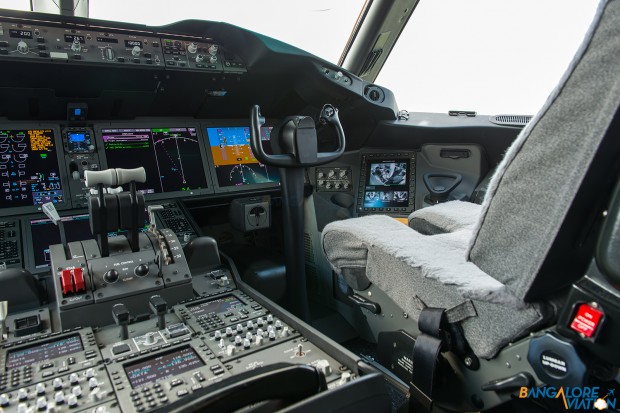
x: 234, y: 162
x: 220, y: 305
x: 162, y: 367
x: 387, y: 184
x: 43, y: 351
x: 29, y: 171
x: 170, y: 156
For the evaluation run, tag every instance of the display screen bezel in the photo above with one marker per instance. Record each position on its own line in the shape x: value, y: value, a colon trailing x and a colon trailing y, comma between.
x: 41, y: 343
x: 210, y: 302
x: 232, y: 124
x: 382, y: 188
x: 62, y: 169
x: 158, y: 125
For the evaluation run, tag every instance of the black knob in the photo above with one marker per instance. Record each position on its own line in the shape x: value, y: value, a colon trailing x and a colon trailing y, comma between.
x: 111, y: 276
x: 141, y: 270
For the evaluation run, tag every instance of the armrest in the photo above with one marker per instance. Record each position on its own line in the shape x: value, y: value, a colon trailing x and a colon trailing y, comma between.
x: 446, y: 217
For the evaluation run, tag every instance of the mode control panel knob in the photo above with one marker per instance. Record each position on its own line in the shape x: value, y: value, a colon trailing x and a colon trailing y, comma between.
x: 111, y: 276
x: 192, y: 47
x: 22, y: 394
x: 150, y: 339
x: 213, y: 49
x: 135, y: 52
x: 4, y: 400
x: 22, y: 47
x: 199, y: 58
x: 40, y: 388
x: 109, y: 53
x: 76, y: 46
x: 213, y: 59
x: 141, y: 270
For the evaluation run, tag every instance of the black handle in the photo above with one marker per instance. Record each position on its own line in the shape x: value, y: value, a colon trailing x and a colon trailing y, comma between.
x: 328, y: 115
x: 282, y: 381
x: 440, y: 194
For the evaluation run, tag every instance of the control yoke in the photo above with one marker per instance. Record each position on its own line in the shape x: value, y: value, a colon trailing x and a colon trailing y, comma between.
x: 295, y: 140
x: 295, y: 147
x: 110, y: 209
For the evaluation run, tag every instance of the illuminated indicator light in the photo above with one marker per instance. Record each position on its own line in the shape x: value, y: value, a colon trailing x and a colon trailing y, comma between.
x: 586, y: 320
x: 43, y: 155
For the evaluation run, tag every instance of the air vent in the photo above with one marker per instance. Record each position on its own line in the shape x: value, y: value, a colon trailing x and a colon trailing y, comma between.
x: 511, y: 120
x: 370, y: 61
x: 308, y: 249
x: 374, y: 93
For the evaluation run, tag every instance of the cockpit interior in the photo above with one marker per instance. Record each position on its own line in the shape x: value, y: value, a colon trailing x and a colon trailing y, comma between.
x: 196, y: 216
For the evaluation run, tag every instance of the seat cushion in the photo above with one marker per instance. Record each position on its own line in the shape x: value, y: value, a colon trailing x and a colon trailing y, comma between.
x: 446, y: 217
x: 417, y: 270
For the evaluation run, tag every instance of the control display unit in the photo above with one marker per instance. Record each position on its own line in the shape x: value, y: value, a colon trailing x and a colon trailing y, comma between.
x: 234, y: 163
x: 29, y: 168
x: 171, y: 157
x: 220, y: 305
x: 163, y: 366
x: 387, y: 183
x: 48, y: 350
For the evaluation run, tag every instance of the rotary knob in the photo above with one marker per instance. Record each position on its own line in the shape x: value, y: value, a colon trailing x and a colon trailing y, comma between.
x: 22, y: 47
x: 73, y: 378
x: 320, y: 175
x: 192, y: 47
x: 111, y: 276
x: 150, y: 339
x: 213, y: 49
x: 76, y: 46
x: 22, y: 394
x: 331, y: 173
x: 59, y: 397
x: 72, y: 400
x: 199, y: 58
x: 40, y: 388
x: 141, y: 270
x: 4, y: 400
x: 41, y: 403
x: 135, y: 52
x: 109, y: 53
x: 76, y: 391
x: 342, y: 174
x: 213, y: 59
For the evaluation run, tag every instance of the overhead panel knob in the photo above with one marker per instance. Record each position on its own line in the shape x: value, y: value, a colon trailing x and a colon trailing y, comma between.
x: 76, y: 46
x: 192, y: 47
x: 22, y: 47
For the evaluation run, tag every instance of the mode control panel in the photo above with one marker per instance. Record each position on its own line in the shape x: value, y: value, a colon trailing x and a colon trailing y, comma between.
x: 10, y: 244
x: 333, y: 179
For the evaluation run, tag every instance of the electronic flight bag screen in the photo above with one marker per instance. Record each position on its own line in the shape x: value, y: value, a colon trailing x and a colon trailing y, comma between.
x: 235, y: 165
x: 170, y: 156
x: 387, y: 184
x: 29, y: 170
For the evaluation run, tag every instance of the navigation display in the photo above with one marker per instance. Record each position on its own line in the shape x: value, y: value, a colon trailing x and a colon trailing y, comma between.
x: 43, y: 351
x: 386, y: 185
x: 29, y: 172
x: 162, y: 367
x: 235, y: 165
x: 170, y: 156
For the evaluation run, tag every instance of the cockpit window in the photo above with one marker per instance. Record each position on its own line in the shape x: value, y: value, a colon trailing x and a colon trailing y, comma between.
x: 23, y: 5
x: 487, y: 56
x: 320, y: 27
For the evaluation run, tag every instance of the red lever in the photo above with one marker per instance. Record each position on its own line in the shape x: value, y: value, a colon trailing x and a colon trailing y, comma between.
x: 66, y: 282
x: 78, y: 280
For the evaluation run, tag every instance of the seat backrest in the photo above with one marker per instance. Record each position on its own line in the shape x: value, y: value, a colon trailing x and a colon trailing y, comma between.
x: 539, y: 196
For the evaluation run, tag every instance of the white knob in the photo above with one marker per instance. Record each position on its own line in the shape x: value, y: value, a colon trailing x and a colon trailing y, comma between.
x: 72, y: 400
x: 192, y: 47
x: 246, y: 343
x: 342, y: 174
x: 199, y: 58
x: 76, y: 391
x: 331, y: 173
x: 213, y: 49
x: 22, y: 47
x: 222, y: 345
x: 248, y: 335
x: 22, y: 408
x: 229, y: 331
x: 250, y: 325
x: 136, y: 51
x: 4, y: 400
x: 338, y: 75
x: 230, y: 350
x: 73, y: 378
x: 76, y: 46
x: 270, y: 318
x: 324, y: 367
x: 270, y: 329
x: 101, y: 409
x: 97, y: 394
x: 186, y: 237
x: 22, y: 394
x: 284, y: 332
x: 239, y: 328
x: 213, y: 59
x: 41, y: 403
x: 218, y: 335
x: 90, y: 373
x: 92, y: 383
x: 272, y: 335
x: 345, y: 377
x: 57, y: 383
x: 40, y: 388
x: 59, y: 397
x: 238, y: 340
x: 260, y: 332
x: 258, y: 340
x: 150, y: 339
x: 260, y: 321
x: 278, y: 324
